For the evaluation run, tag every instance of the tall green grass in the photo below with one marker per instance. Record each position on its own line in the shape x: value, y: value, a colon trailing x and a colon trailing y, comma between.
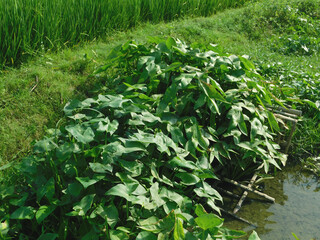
x: 30, y: 26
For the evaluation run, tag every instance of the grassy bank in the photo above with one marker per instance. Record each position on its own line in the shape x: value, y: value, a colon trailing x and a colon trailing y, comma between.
x: 30, y: 27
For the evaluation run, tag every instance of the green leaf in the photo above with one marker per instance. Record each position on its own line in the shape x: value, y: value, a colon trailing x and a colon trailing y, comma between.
x: 256, y: 128
x: 177, y: 135
x: 310, y: 103
x: 48, y: 236
x: 273, y: 122
x: 150, y: 224
x: 172, y: 67
x: 84, y: 205
x: 167, y: 224
x: 188, y: 178
x: 146, y: 236
x: 80, y: 133
x: 134, y: 167
x: 211, y: 90
x: 74, y: 189
x: 254, y: 236
x: 247, y: 63
x: 112, y: 101
x: 47, y: 190
x: 154, y: 191
x: 45, y: 145
x: 172, y: 196
x: 6, y: 191
x: 210, y: 99
x: 232, y: 234
x: 295, y: 236
x: 200, y: 210
x: 118, y: 235
x: 237, y: 119
x: 43, y: 212
x: 87, y: 182
x: 208, y: 221
x: 112, y: 215
x: 107, y: 126
x: 170, y: 97
x: 65, y: 150
x: 171, y: 42
x: 178, y: 233
x: 19, y: 201
x: 246, y: 145
x: 100, y: 168
x: 127, y: 191
x: 200, y: 102
x: 71, y: 106
x: 23, y: 213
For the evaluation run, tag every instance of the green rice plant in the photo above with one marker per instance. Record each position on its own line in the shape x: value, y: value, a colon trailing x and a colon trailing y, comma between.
x: 30, y: 26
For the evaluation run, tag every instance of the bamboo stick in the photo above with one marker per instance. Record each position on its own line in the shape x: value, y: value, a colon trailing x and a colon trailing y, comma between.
x: 244, y: 195
x: 271, y: 199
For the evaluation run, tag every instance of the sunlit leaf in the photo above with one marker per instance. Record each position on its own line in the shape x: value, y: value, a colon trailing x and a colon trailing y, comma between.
x: 87, y: 182
x: 43, y: 212
x: 178, y: 233
x: 146, y: 236
x: 187, y: 178
x: 80, y: 133
x: 208, y: 221
x: 84, y: 205
x: 23, y: 213
x: 254, y: 236
x: 273, y: 122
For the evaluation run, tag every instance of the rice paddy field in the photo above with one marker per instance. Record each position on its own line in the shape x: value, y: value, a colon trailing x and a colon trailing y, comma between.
x: 30, y: 26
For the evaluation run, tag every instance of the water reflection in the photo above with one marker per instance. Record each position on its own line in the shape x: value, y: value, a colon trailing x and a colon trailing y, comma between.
x: 297, y: 207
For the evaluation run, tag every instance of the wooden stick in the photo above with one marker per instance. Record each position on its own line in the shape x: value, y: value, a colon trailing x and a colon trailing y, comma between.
x: 285, y: 114
x: 287, y: 110
x: 290, y: 137
x: 238, y: 218
x: 271, y: 199
x: 285, y: 117
x: 228, y: 192
x: 34, y: 87
x: 244, y: 195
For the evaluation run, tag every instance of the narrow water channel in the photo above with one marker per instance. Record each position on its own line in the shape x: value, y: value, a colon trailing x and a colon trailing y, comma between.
x: 297, y: 208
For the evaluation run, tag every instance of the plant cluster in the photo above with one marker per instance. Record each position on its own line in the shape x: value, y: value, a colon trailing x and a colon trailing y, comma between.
x: 138, y: 160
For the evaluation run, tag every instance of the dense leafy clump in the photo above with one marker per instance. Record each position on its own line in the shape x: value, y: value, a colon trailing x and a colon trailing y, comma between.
x: 138, y: 160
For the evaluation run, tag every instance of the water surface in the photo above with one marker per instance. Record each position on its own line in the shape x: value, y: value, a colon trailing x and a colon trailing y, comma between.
x: 297, y: 208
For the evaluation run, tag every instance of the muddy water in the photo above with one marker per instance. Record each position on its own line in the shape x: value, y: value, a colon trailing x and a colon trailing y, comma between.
x: 297, y: 208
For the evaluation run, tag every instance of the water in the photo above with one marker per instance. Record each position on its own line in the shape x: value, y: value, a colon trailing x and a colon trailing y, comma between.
x: 297, y: 208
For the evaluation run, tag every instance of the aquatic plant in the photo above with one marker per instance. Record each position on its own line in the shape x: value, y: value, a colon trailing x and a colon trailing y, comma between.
x: 137, y: 160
